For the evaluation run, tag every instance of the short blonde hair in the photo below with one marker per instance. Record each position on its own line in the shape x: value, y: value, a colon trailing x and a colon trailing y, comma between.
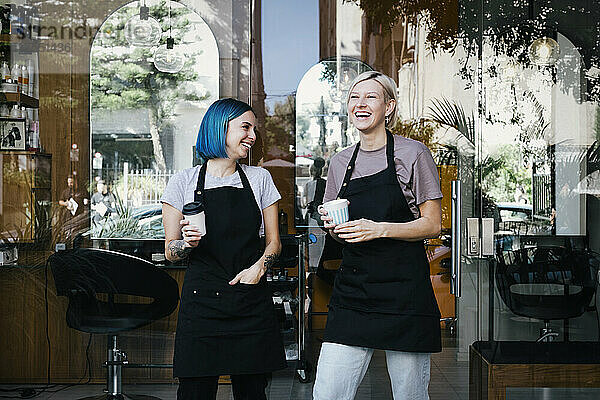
x: 389, y: 91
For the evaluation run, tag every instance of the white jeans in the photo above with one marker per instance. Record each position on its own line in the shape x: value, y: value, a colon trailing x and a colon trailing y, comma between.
x: 341, y: 368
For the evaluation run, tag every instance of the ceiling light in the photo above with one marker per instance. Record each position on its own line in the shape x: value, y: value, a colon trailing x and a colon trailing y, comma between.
x: 142, y: 30
x: 544, y: 51
x: 168, y: 59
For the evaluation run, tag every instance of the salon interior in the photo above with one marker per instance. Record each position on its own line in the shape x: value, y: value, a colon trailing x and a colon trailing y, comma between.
x: 100, y: 105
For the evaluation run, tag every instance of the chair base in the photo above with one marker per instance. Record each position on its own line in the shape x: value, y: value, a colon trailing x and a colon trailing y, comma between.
x: 117, y: 359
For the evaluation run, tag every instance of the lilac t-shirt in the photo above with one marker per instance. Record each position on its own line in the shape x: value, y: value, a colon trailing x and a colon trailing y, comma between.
x: 415, y: 169
x: 181, y: 187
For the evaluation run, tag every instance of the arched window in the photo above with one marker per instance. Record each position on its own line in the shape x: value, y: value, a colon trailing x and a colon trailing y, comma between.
x: 322, y: 127
x: 144, y: 122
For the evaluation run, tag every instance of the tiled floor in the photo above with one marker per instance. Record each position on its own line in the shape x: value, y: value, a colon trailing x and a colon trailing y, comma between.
x: 449, y: 381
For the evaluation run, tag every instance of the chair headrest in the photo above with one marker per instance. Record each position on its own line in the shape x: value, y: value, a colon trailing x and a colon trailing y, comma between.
x: 103, y: 271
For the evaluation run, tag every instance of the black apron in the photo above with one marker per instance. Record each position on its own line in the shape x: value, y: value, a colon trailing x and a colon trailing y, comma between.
x: 382, y: 296
x: 224, y: 329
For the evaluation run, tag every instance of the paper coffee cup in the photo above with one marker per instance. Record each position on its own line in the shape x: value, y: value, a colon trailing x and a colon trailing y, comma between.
x: 338, y: 210
x: 194, y: 212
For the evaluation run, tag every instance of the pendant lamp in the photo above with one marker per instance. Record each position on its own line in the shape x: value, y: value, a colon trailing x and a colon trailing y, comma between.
x: 544, y: 51
x: 167, y: 58
x: 142, y: 30
x: 339, y: 90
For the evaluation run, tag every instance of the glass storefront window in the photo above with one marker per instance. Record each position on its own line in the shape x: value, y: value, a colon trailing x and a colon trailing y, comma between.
x: 143, y: 121
x: 505, y: 94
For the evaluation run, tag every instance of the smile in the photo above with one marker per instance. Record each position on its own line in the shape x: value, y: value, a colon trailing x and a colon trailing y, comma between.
x: 247, y: 145
x: 362, y: 114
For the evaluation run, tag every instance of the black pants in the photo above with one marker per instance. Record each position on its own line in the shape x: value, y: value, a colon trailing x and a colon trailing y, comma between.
x: 245, y: 387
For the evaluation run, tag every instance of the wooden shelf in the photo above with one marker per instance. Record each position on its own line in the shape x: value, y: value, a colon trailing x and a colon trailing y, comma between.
x: 19, y: 98
x: 26, y: 153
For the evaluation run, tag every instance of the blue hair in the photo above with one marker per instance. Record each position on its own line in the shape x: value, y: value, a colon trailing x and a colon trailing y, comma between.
x: 213, y: 129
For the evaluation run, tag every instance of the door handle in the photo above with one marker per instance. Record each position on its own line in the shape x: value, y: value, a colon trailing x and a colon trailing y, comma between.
x: 455, y: 238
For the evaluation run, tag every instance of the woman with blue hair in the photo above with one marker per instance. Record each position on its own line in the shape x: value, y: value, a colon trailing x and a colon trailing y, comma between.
x: 226, y: 323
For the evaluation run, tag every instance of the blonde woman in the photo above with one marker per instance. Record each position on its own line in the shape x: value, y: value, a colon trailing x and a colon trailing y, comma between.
x: 382, y: 296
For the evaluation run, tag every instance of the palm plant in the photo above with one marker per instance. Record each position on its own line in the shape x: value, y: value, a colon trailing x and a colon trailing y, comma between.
x: 446, y: 112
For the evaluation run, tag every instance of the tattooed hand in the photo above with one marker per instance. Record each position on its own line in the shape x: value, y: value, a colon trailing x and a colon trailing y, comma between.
x: 253, y: 274
x: 270, y: 260
x: 179, y: 249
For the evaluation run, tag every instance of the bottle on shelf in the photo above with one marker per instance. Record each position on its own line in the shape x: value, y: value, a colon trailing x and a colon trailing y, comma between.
x: 19, y: 79
x: 30, y: 69
x: 8, y: 83
x: 4, y: 110
x: 15, y: 112
x: 15, y: 72
x: 32, y: 129
x: 28, y: 130
x: 6, y: 76
x: 24, y: 79
x: 35, y: 133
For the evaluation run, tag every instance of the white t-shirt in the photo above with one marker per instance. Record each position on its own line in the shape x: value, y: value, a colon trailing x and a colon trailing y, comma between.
x: 181, y: 187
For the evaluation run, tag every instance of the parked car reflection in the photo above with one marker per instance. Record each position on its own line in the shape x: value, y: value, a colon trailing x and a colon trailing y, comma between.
x: 516, y: 219
x: 144, y: 222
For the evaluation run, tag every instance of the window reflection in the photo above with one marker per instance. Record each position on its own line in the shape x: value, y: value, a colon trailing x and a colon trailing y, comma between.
x: 322, y: 128
x: 536, y: 144
x: 144, y: 122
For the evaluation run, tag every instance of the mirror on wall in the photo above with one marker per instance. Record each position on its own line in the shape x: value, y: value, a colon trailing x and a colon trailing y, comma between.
x: 322, y: 128
x: 145, y: 116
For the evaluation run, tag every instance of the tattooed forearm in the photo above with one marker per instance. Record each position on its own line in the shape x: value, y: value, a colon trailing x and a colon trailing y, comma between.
x: 178, y: 250
x: 270, y: 260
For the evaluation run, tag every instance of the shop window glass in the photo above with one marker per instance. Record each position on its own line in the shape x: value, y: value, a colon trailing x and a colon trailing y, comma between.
x: 322, y: 127
x: 144, y: 122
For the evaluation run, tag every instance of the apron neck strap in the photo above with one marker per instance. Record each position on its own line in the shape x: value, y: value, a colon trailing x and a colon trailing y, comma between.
x: 389, y: 151
x: 199, y: 193
x: 243, y: 177
x: 348, y: 173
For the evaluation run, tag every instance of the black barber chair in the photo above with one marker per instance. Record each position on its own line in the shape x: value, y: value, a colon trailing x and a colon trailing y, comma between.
x: 94, y: 281
x: 547, y: 283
